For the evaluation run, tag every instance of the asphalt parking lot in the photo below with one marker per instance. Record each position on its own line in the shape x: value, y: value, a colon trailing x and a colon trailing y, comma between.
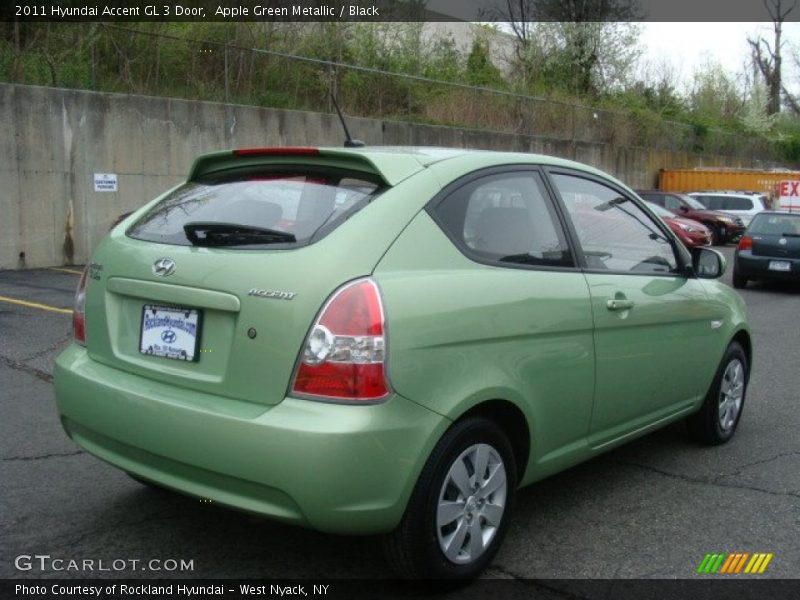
x: 651, y: 509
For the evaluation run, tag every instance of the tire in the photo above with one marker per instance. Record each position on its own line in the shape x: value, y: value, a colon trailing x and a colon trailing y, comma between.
x: 416, y: 549
x: 715, y: 236
x: 710, y: 425
x: 739, y: 281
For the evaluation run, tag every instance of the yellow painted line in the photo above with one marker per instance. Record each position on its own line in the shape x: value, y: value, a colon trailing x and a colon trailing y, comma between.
x: 766, y: 562
x: 752, y: 563
x: 755, y: 567
x: 73, y: 271
x: 65, y: 311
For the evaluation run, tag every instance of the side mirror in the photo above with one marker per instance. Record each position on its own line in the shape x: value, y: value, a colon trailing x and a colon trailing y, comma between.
x: 708, y: 263
x: 683, y: 209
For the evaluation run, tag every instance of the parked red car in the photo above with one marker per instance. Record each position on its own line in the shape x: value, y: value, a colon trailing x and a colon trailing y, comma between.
x: 724, y: 227
x: 690, y: 232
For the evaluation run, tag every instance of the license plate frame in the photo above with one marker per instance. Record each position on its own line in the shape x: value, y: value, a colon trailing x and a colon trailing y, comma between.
x: 782, y: 266
x: 181, y: 321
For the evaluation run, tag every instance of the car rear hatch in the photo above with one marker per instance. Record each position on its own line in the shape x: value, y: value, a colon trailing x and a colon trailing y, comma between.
x: 214, y: 285
x: 776, y: 235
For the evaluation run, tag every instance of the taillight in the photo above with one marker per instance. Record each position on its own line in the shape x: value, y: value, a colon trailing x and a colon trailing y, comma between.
x: 79, y: 312
x: 344, y: 356
x: 745, y: 243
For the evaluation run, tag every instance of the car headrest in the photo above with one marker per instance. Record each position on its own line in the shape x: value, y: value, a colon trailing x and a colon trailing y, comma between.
x: 504, y: 231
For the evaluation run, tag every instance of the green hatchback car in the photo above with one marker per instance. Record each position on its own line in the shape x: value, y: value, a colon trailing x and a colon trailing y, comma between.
x: 393, y: 340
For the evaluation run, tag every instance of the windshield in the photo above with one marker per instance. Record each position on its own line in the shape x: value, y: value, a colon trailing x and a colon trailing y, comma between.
x: 255, y: 209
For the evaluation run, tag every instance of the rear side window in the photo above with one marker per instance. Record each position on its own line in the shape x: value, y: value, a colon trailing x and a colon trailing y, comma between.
x: 506, y: 218
x: 710, y: 202
x: 257, y: 208
x: 726, y: 202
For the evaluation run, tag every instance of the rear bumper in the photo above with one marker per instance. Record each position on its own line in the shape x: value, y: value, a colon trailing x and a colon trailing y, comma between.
x: 333, y: 467
x: 757, y: 267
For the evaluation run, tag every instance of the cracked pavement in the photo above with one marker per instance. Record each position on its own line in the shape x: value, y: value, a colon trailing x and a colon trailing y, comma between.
x: 652, y: 508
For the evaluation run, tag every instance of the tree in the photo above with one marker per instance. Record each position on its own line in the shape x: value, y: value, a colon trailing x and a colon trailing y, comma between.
x: 595, y: 42
x: 715, y: 95
x: 768, y: 58
x: 480, y: 68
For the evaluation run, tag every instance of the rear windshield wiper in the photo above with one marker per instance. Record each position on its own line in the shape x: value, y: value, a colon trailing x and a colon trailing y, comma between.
x: 232, y: 234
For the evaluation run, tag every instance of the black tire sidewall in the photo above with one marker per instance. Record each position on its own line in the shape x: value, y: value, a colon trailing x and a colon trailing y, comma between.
x: 460, y: 437
x: 707, y: 421
x: 716, y: 238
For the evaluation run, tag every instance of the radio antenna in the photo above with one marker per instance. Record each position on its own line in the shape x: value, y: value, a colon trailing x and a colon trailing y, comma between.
x: 349, y: 142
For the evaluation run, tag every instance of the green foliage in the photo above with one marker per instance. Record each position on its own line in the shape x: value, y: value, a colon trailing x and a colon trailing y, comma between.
x: 563, y: 71
x: 481, y: 71
x: 789, y: 148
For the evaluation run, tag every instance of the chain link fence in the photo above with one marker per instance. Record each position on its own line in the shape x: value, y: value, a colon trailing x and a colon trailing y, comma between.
x: 148, y: 62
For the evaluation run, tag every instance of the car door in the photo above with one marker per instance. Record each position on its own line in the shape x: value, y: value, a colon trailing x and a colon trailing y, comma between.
x: 487, y: 302
x: 652, y: 322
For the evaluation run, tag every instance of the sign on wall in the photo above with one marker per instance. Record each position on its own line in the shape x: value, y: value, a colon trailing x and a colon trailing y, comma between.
x: 105, y: 182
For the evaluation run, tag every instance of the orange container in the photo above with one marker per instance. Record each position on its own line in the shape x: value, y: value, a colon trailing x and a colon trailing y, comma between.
x: 698, y: 180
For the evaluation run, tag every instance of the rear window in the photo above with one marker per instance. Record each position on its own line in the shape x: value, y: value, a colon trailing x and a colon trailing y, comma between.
x: 775, y: 224
x: 272, y: 208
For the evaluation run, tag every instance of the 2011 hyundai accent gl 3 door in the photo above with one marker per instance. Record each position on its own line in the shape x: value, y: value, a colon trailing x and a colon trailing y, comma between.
x: 393, y: 340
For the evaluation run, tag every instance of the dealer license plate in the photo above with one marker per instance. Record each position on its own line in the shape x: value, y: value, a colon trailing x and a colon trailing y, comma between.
x: 170, y: 332
x: 780, y: 265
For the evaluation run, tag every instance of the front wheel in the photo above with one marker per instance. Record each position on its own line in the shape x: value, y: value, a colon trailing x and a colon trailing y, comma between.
x: 716, y: 422
x: 716, y: 237
x: 458, y: 513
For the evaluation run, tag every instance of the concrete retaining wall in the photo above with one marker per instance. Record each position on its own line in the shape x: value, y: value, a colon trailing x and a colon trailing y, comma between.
x: 52, y: 141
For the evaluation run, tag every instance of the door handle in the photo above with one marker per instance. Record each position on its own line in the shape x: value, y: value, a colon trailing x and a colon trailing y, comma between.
x: 620, y: 304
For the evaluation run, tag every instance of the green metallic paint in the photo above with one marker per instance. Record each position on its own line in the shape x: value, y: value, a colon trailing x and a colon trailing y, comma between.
x: 459, y: 334
x: 231, y: 364
x: 318, y: 464
x: 391, y: 167
x: 519, y: 335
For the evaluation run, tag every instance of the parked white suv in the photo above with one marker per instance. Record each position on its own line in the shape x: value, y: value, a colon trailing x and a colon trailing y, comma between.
x: 744, y: 205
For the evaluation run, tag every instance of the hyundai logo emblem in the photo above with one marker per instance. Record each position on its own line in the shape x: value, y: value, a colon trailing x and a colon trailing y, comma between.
x: 164, y: 267
x: 168, y: 336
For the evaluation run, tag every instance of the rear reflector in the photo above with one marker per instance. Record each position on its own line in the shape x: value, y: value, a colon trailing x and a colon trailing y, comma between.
x: 745, y: 243
x: 79, y: 312
x: 344, y: 356
x: 277, y: 151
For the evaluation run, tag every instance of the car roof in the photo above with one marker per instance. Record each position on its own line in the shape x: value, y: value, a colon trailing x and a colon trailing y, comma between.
x: 392, y: 163
x: 739, y: 193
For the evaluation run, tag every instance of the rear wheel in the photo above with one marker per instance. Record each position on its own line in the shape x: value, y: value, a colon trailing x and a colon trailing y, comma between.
x: 739, y: 281
x: 458, y: 512
x: 716, y: 422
